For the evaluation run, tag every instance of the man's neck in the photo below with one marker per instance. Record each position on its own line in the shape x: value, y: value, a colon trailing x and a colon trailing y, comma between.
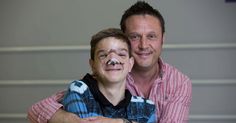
x: 144, y: 75
x: 144, y: 78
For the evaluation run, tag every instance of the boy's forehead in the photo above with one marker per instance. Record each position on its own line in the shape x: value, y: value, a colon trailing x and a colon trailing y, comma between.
x: 112, y: 44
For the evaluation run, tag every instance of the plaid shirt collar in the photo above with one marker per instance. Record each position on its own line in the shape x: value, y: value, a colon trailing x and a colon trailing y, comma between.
x: 93, y: 86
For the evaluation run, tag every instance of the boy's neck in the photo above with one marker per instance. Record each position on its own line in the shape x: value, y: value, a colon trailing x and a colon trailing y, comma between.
x: 114, y: 93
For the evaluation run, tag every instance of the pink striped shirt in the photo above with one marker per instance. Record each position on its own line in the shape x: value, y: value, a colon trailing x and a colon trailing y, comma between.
x: 43, y: 110
x: 171, y: 92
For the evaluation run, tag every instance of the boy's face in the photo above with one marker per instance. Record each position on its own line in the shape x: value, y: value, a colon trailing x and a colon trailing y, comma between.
x: 111, y: 60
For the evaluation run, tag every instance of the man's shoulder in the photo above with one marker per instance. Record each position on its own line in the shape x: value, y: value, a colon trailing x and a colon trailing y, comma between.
x: 171, y: 70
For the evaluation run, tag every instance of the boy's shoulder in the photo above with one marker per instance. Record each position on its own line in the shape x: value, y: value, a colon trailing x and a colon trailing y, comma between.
x: 142, y: 101
x: 78, y: 86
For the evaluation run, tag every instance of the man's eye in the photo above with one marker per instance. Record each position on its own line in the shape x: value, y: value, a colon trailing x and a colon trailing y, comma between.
x: 152, y: 37
x: 134, y: 37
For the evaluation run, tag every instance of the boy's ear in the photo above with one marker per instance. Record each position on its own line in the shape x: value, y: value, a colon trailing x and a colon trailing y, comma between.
x: 91, y: 63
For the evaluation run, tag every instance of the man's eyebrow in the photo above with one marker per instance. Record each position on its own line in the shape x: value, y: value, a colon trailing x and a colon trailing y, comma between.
x: 133, y: 33
x: 136, y: 33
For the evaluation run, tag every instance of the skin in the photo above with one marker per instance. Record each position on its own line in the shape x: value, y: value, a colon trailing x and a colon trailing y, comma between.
x: 62, y: 116
x: 107, y: 49
x: 146, y: 37
x: 111, y: 78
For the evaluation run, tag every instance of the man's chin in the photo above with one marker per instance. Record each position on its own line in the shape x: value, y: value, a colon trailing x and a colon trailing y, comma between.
x: 142, y: 66
x: 143, y: 63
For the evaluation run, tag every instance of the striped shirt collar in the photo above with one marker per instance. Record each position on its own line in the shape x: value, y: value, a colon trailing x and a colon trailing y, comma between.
x: 161, y: 75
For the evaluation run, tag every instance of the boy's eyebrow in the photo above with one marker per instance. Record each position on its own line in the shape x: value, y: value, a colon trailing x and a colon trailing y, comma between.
x: 99, y: 51
x: 123, y: 49
x: 112, y: 50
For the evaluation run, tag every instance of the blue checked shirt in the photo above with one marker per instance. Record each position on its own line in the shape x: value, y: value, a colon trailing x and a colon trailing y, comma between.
x: 84, y: 99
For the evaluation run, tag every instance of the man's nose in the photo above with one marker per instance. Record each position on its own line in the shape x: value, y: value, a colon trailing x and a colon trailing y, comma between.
x: 143, y: 43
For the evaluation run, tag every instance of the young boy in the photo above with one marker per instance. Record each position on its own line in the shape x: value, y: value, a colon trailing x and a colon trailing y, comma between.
x: 103, y: 93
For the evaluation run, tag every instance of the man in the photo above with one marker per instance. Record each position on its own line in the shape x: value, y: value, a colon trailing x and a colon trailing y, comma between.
x: 150, y: 77
x: 103, y: 93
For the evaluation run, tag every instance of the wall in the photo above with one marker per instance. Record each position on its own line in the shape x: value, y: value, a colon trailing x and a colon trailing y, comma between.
x: 44, y: 45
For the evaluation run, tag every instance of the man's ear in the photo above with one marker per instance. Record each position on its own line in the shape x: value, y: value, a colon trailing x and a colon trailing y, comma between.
x: 163, y: 38
x: 131, y: 63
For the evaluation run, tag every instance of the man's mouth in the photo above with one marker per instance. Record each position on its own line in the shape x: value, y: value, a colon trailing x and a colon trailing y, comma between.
x: 143, y: 54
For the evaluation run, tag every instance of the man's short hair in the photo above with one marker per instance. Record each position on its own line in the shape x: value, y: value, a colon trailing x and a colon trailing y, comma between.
x: 141, y: 8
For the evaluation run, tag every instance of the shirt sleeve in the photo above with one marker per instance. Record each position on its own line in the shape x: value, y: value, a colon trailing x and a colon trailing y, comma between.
x: 177, y: 108
x: 43, y: 110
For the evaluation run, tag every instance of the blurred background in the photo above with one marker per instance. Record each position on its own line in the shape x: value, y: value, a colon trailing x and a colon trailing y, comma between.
x: 44, y: 44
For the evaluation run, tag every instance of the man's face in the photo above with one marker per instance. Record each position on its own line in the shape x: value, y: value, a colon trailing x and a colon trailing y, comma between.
x: 111, y: 60
x: 145, y: 35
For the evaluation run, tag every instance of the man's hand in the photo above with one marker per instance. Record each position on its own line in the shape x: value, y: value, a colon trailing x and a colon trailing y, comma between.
x: 101, y: 119
x: 62, y: 116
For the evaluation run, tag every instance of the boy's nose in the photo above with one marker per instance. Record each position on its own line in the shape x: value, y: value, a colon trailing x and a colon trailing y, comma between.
x: 113, y: 61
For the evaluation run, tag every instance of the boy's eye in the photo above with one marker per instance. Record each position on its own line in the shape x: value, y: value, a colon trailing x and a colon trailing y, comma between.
x: 123, y: 55
x: 102, y: 56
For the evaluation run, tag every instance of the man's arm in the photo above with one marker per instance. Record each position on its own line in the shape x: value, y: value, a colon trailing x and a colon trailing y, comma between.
x: 49, y: 110
x: 43, y: 110
x: 100, y: 119
x: 177, y: 108
x: 61, y: 116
